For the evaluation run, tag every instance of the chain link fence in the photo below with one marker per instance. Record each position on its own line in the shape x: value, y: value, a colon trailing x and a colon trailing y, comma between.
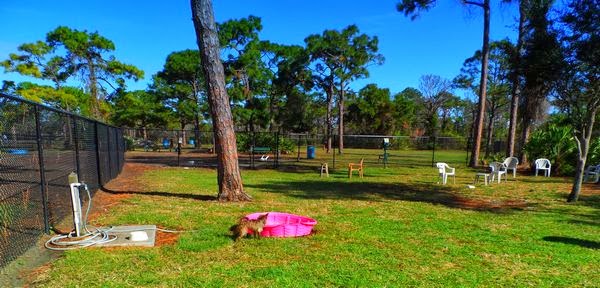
x: 39, y: 148
x: 302, y: 151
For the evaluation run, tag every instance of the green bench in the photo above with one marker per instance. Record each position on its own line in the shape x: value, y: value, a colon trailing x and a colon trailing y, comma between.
x: 261, y: 150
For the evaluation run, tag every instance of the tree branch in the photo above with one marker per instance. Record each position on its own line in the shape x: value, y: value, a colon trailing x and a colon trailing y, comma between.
x: 473, y: 3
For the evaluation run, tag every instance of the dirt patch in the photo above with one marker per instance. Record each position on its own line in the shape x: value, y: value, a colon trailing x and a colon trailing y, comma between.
x: 477, y: 204
x: 165, y: 238
x: 128, y: 180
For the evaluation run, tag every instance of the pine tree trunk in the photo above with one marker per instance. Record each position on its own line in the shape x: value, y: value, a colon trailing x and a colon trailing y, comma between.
x: 341, y: 119
x: 482, y: 84
x: 329, y: 120
x: 490, y: 133
x: 196, y: 131
x: 229, y: 178
x: 196, y: 116
x: 516, y: 83
x: 95, y: 104
x: 524, y: 138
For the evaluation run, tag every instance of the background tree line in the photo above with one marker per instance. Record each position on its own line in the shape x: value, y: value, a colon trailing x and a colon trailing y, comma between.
x: 552, y: 69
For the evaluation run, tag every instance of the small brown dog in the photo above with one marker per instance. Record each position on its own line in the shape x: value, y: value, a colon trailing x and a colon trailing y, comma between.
x: 244, y: 227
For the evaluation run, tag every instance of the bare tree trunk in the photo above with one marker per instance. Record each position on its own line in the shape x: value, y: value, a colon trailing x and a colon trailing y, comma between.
x: 482, y: 84
x: 524, y: 138
x: 95, y: 104
x: 583, y: 147
x: 329, y: 120
x: 197, y: 131
x: 229, y: 178
x: 516, y: 83
x: 341, y: 119
x: 490, y: 130
x: 196, y: 116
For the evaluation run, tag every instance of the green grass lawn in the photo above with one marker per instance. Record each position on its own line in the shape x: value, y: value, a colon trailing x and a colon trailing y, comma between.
x: 395, y: 227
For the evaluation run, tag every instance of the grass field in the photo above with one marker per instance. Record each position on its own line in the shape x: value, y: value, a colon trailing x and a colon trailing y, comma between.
x: 395, y: 227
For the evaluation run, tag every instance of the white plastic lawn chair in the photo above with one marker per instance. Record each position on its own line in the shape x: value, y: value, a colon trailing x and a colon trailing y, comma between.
x: 264, y: 158
x: 511, y: 163
x: 445, y: 171
x: 543, y: 164
x: 592, y: 174
x: 497, y: 170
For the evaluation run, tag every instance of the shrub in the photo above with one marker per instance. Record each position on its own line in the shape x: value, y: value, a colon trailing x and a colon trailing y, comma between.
x: 594, y: 153
x: 556, y: 143
x: 244, y: 141
x: 128, y: 143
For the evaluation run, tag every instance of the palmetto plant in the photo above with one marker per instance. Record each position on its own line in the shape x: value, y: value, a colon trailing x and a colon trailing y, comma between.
x: 556, y: 143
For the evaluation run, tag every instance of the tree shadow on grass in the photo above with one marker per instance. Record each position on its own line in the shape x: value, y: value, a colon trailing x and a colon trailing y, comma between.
x: 573, y: 241
x: 590, y: 200
x: 541, y: 180
x: 163, y: 194
x: 592, y: 218
x: 364, y: 191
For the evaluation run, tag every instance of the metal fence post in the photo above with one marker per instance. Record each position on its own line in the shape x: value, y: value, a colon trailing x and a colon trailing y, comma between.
x: 43, y: 184
x: 110, y: 174
x: 298, y: 158
x: 252, y: 146
x: 98, y: 166
x: 179, y: 148
x: 76, y: 143
x: 118, y: 144
x: 276, y: 149
x: 333, y: 152
x: 468, y: 148
x: 433, y: 153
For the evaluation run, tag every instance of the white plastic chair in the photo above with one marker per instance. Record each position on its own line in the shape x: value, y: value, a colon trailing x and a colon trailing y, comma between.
x: 445, y: 171
x: 543, y: 164
x: 592, y: 174
x: 511, y: 163
x: 497, y: 170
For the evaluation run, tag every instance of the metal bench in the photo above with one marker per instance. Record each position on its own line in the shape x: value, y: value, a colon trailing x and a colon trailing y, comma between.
x: 261, y: 150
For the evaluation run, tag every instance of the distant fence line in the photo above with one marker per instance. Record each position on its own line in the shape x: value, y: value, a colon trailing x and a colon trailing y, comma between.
x: 289, y: 149
x: 39, y: 147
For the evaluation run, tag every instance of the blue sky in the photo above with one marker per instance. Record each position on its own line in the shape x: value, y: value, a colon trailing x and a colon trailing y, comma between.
x: 145, y: 32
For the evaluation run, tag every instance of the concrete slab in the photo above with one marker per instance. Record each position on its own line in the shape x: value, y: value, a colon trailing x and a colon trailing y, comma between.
x: 123, y: 234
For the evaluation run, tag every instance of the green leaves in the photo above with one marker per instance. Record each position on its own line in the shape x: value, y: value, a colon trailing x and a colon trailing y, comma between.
x: 69, y: 52
x: 180, y: 87
x: 139, y: 109
x: 555, y: 142
x: 412, y: 8
x: 346, y: 53
x: 183, y: 66
x: 79, y: 43
x: 372, y: 112
x: 33, y: 61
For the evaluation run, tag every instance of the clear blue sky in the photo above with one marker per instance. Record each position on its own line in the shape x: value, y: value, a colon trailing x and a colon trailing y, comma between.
x: 145, y: 32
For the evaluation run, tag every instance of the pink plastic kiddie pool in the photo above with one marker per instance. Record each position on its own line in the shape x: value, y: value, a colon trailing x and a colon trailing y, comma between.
x: 284, y: 225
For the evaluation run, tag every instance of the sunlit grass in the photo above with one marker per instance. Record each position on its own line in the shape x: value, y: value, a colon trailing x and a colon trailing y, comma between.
x: 395, y: 227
